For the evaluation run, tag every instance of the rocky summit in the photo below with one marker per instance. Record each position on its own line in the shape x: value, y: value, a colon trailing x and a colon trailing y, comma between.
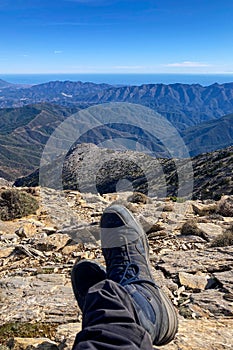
x: 191, y: 251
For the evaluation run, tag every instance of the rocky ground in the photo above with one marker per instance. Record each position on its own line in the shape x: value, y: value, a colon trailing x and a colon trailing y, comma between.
x: 191, y: 253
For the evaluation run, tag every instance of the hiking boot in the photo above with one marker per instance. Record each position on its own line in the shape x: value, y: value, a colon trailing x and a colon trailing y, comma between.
x: 126, y: 252
x: 84, y: 275
x: 124, y: 246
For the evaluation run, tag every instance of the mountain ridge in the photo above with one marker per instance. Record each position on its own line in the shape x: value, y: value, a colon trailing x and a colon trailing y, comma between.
x: 25, y: 130
x: 183, y: 105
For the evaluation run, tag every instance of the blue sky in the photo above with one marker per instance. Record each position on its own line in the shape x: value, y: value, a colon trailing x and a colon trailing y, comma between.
x: 116, y: 36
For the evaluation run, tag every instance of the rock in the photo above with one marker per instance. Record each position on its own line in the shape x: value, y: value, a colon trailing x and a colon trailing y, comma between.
x: 94, y: 198
x: 73, y: 248
x: 168, y: 207
x: 225, y: 278
x: 29, y: 251
x: 209, y: 231
x: 66, y: 333
x: 32, y: 343
x: 204, y: 209
x: 199, y: 281
x: 79, y: 234
x: 209, y: 260
x: 5, y: 183
x: 49, y: 230
x: 204, y: 334
x: 55, y: 242
x: 213, y: 302
x: 150, y: 225
x: 191, y: 239
x: 46, y: 297
x: 5, y: 252
x: 27, y: 230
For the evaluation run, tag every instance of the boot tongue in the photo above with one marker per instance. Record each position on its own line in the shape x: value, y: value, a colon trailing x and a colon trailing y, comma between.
x: 111, y: 220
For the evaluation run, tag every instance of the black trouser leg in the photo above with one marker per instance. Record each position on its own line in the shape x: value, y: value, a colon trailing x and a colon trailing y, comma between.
x: 110, y: 321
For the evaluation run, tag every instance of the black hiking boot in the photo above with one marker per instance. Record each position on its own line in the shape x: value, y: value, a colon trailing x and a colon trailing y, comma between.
x: 84, y: 275
x: 126, y: 252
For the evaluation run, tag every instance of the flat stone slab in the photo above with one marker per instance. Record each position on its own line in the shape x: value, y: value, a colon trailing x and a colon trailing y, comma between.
x: 209, y: 260
x: 44, y: 298
x: 226, y: 279
x: 202, y: 335
x: 213, y: 302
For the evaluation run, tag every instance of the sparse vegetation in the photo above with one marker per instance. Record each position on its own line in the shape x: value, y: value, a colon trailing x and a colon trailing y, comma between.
x: 225, y: 206
x: 26, y: 330
x: 15, y: 204
x: 190, y: 228
x: 225, y: 239
x: 178, y: 199
x: 138, y: 197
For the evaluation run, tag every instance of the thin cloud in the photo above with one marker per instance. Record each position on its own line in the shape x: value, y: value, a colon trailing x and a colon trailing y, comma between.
x: 128, y: 67
x: 57, y: 52
x: 187, y: 64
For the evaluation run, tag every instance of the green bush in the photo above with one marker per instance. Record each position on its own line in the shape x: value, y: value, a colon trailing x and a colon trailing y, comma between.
x: 15, y: 204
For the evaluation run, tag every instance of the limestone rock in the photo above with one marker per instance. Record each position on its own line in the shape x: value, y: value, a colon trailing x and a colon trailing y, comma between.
x: 49, y: 230
x: 225, y: 278
x: 55, y: 241
x: 213, y: 302
x: 5, y: 252
x: 199, y: 281
x: 209, y: 231
x: 150, y: 224
x: 79, y: 234
x: 203, y: 334
x: 204, y: 209
x: 66, y: 333
x: 27, y: 230
x: 209, y: 260
x: 43, y: 297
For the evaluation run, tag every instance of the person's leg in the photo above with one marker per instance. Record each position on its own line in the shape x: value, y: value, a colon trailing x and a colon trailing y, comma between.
x: 128, y: 310
x: 126, y: 251
x: 109, y: 317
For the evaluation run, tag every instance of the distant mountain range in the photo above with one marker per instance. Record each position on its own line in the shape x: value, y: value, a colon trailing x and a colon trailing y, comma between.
x: 24, y: 131
x: 184, y: 105
x: 202, y: 115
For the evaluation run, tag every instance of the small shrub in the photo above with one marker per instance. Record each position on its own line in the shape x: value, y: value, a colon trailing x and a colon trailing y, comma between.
x: 178, y: 199
x: 15, y: 204
x: 138, y: 197
x: 190, y: 228
x: 223, y: 240
x: 26, y: 330
x: 225, y: 206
